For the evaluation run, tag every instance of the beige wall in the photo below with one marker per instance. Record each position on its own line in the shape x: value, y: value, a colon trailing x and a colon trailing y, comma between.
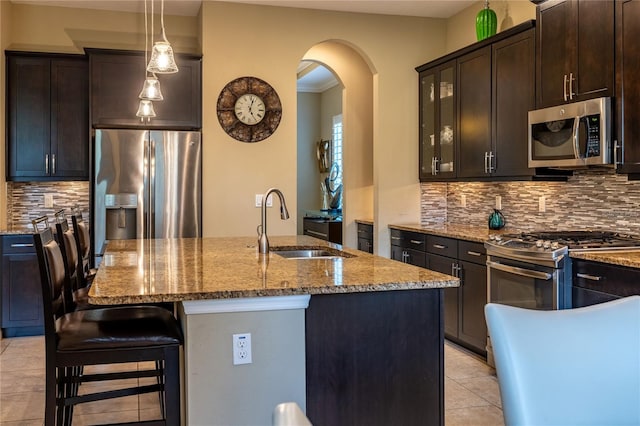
x: 234, y: 171
x: 69, y: 30
x: 461, y: 28
x: 309, y: 195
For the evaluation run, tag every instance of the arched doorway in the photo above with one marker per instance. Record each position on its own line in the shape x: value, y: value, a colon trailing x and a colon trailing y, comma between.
x: 355, y: 75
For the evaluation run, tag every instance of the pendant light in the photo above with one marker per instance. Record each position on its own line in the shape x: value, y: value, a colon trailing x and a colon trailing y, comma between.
x: 151, y: 87
x: 145, y: 110
x: 162, y: 60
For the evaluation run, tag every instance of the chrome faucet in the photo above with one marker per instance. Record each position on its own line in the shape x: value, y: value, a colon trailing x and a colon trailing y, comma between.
x: 263, y: 241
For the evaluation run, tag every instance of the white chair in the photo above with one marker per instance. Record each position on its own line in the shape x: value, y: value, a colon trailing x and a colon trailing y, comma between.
x: 289, y: 414
x: 569, y: 367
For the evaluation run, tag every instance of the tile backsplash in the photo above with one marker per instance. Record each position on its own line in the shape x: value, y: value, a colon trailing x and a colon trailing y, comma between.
x: 590, y: 199
x: 25, y: 201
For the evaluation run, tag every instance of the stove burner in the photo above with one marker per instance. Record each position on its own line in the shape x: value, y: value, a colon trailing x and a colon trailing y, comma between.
x: 576, y: 240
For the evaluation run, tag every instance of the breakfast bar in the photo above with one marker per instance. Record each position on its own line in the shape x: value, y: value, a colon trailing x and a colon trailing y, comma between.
x: 353, y: 338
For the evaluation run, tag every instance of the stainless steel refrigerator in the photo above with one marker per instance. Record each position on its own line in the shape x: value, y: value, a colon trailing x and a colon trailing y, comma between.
x: 146, y: 184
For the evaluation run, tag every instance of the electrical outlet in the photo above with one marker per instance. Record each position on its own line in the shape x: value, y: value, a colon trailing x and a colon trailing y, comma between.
x: 259, y: 200
x: 463, y: 200
x: 48, y: 201
x: 242, y: 349
x: 498, y: 202
x: 542, y: 204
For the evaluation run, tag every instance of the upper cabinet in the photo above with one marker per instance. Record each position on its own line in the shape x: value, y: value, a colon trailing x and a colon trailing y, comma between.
x: 437, y: 122
x: 48, y: 117
x: 473, y: 109
x: 497, y: 90
x: 627, y: 150
x: 575, y: 51
x: 116, y: 80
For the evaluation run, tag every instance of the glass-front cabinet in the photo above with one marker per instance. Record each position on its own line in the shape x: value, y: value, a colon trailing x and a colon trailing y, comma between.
x: 437, y: 122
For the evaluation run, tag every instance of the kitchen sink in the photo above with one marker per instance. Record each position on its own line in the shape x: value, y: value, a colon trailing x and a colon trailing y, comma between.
x: 309, y: 252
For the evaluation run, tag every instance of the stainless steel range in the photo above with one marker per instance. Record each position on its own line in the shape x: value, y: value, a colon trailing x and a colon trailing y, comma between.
x: 533, y: 270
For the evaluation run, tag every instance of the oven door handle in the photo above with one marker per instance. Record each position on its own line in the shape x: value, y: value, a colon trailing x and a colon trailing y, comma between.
x: 519, y: 271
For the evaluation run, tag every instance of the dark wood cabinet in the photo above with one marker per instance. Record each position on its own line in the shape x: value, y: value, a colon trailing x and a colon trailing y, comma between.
x: 409, y: 247
x: 474, y: 114
x: 375, y: 358
x: 627, y: 153
x: 116, y: 78
x: 497, y: 89
x: 575, y: 51
x: 493, y: 91
x: 324, y: 229
x: 21, y: 293
x: 512, y: 97
x: 464, y: 321
x: 437, y: 122
x: 595, y: 282
x: 365, y: 237
x: 48, y: 117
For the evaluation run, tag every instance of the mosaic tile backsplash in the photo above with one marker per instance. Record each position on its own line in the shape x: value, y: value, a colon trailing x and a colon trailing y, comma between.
x: 25, y: 201
x: 590, y: 199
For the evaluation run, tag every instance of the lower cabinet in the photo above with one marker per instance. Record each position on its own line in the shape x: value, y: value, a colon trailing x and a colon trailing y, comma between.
x: 595, y: 282
x: 328, y: 230
x: 409, y: 247
x: 365, y: 237
x: 464, y: 321
x: 21, y: 293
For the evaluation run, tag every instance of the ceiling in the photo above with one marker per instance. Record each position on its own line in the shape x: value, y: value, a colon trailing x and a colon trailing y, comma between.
x: 423, y: 8
x: 312, y: 78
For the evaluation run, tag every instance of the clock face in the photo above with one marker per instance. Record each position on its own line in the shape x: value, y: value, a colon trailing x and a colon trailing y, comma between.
x: 249, y: 109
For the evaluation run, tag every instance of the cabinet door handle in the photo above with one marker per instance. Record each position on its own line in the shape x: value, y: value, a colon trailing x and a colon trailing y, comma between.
x: 486, y: 159
x: 319, y: 234
x: 491, y: 157
x: 53, y: 164
x: 439, y: 246
x: 564, y: 88
x: 395, y: 238
x: 415, y: 242
x: 435, y: 165
x: 571, y: 94
x: 20, y: 245
x: 617, y: 146
x: 589, y: 277
x: 46, y: 164
x: 474, y: 253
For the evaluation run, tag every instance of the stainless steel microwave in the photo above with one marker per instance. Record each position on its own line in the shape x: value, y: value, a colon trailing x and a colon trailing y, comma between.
x: 571, y: 135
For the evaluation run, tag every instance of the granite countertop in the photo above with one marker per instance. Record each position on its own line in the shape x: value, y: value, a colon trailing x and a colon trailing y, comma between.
x: 474, y: 233
x: 365, y: 221
x: 169, y: 270
x: 629, y: 258
x: 24, y: 231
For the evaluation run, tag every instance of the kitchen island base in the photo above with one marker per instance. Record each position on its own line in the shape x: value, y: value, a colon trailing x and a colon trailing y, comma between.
x: 217, y: 392
x: 375, y: 358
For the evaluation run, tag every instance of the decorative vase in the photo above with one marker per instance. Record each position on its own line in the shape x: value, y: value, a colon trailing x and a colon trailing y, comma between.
x: 496, y: 220
x: 486, y: 22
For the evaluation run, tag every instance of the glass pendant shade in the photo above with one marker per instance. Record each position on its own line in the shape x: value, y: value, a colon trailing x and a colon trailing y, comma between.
x: 151, y: 90
x: 162, y: 60
x: 145, y: 110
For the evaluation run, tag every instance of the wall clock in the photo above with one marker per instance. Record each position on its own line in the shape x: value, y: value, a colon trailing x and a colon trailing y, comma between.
x: 249, y: 109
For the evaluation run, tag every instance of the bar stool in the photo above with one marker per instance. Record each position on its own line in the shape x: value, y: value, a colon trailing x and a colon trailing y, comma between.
x: 81, y: 234
x: 101, y: 336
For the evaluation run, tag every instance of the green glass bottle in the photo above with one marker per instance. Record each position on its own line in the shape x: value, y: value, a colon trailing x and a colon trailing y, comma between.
x: 486, y: 22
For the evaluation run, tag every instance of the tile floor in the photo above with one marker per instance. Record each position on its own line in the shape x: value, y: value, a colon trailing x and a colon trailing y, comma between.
x: 471, y: 390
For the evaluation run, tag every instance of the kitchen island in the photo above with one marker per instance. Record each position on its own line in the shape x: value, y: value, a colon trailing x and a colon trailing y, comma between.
x: 371, y: 338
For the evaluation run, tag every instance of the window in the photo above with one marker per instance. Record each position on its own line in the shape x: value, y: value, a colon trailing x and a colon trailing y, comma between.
x: 336, y: 149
